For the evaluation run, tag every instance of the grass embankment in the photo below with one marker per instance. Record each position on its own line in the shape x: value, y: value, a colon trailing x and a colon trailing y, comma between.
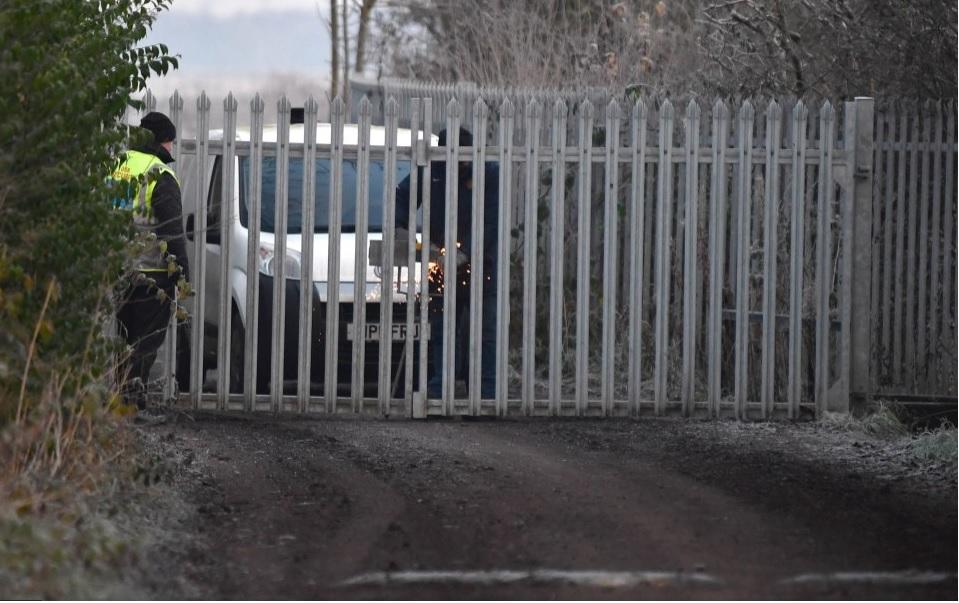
x: 937, y: 446
x: 71, y: 477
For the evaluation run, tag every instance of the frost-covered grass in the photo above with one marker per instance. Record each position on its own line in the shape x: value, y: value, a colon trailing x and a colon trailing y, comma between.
x: 940, y: 445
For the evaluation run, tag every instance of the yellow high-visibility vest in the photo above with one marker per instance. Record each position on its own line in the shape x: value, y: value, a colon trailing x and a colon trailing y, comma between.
x: 139, y: 168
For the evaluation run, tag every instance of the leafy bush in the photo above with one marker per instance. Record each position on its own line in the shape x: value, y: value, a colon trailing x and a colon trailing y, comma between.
x: 68, y: 70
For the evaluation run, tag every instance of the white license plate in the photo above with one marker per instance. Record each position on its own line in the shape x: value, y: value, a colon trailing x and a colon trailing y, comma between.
x: 373, y: 331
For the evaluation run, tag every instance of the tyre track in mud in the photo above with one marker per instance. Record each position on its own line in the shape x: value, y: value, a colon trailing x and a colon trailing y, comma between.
x: 294, y: 508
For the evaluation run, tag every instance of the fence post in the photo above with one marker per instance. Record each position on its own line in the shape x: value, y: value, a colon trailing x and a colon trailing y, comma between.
x: 857, y: 345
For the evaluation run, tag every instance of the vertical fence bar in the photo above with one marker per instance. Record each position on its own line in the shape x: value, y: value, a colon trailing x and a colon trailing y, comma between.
x: 900, y: 268
x: 253, y: 253
x: 308, y: 223
x: 771, y: 246
x: 452, y: 252
x: 170, y: 380
x: 361, y: 250
x: 717, y: 253
x: 477, y: 255
x: 280, y: 252
x: 888, y: 224
x: 414, y: 109
x: 923, y: 242
x: 664, y: 205
x: 582, y: 256
x: 911, y: 259
x: 637, y: 282
x: 226, y: 223
x: 556, y: 258
x: 856, y: 211
x: 331, y: 379
x: 507, y: 116
x: 934, y: 262
x: 385, y: 381
x: 948, y: 291
x: 824, y: 256
x: 797, y: 253
x: 530, y: 236
x: 610, y: 254
x: 427, y: 244
x: 199, y: 248
x: 690, y: 269
x: 743, y: 249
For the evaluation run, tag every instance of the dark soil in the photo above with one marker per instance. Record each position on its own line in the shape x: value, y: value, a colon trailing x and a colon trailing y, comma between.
x: 292, y: 508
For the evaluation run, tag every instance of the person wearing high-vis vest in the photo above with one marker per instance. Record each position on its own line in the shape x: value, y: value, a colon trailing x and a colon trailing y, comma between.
x: 146, y: 186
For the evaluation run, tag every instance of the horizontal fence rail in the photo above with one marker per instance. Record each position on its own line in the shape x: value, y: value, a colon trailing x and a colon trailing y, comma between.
x: 628, y: 258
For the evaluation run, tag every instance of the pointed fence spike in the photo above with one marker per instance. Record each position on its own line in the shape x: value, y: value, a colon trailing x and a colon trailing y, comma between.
x: 392, y: 107
x: 366, y: 107
x: 612, y: 109
x: 453, y: 108
x: 586, y: 108
x: 639, y: 110
x: 666, y: 111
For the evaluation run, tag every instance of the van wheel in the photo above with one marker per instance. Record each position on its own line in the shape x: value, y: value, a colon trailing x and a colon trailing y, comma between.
x: 237, y: 345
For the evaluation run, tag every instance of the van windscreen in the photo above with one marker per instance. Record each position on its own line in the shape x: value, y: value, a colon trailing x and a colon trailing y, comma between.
x: 321, y: 196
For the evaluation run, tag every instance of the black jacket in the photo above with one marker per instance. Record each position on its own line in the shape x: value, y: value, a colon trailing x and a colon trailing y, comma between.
x: 464, y: 212
x: 168, y: 210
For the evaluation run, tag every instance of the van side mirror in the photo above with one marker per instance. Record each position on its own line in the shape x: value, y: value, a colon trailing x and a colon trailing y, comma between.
x: 189, y: 227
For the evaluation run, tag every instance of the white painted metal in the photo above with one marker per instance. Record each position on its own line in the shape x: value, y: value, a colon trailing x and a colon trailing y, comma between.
x: 308, y: 221
x: 199, y: 250
x: 507, y: 116
x: 824, y: 257
x: 690, y: 269
x: 664, y: 203
x: 337, y: 111
x: 530, y: 230
x: 360, y: 254
x: 582, y: 256
x: 638, y: 275
x: 253, y: 246
x: 170, y: 364
x: 477, y: 276
x: 279, y: 253
x: 556, y: 257
x: 451, y: 247
x: 385, y: 377
x: 770, y: 251
x: 911, y: 242
x: 426, y: 240
x: 743, y: 253
x: 797, y: 254
x: 226, y: 222
x: 408, y: 351
x: 610, y: 254
x: 717, y: 253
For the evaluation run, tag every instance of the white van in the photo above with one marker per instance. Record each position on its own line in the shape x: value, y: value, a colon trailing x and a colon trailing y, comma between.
x: 237, y: 280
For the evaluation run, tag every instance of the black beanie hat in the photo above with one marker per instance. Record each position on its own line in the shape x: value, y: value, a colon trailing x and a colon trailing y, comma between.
x: 161, y: 126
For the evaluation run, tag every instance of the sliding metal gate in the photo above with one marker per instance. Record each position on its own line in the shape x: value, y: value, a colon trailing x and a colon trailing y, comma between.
x: 651, y: 259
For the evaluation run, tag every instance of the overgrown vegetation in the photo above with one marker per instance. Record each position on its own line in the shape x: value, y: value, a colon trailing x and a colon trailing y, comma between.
x: 68, y: 71
x: 828, y: 48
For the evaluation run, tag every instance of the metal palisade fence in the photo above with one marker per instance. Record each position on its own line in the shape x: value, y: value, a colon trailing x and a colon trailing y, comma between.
x: 651, y: 259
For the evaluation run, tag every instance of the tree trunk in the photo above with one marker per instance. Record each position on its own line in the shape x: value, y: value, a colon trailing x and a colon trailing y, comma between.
x: 346, y: 48
x: 335, y: 52
x: 362, y: 32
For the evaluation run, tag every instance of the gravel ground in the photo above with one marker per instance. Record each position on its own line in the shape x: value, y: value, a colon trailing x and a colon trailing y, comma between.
x: 272, y: 507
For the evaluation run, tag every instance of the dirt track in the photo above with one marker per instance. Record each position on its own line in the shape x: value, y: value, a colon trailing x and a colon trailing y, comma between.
x: 294, y: 508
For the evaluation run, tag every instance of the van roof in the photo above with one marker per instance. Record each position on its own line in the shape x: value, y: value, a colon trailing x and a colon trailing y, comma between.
x: 323, y: 132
